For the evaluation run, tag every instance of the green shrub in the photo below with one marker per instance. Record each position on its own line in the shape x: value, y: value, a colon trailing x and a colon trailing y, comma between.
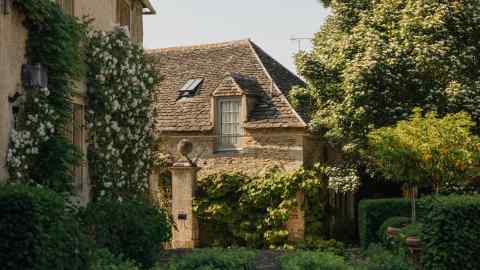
x: 133, y: 229
x: 396, y: 222
x: 372, y: 214
x: 378, y: 258
x: 310, y: 260
x: 39, y: 231
x: 215, y: 259
x: 411, y: 230
x: 104, y: 260
x: 320, y: 245
x: 451, y: 233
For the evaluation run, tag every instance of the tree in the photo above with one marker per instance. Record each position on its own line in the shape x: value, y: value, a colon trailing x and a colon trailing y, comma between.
x: 426, y: 151
x: 374, y: 61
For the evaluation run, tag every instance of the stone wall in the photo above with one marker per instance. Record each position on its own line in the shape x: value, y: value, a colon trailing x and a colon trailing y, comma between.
x: 12, y: 50
x: 260, y: 150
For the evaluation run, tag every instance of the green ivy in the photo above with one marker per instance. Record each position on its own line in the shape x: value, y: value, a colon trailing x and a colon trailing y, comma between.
x: 39, y: 153
x: 252, y: 211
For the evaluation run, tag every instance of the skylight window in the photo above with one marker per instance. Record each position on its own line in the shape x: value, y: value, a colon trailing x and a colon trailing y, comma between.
x: 190, y: 88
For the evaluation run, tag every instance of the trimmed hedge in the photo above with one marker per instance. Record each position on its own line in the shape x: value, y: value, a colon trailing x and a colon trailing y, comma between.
x: 311, y: 260
x: 132, y: 229
x: 215, y: 259
x: 372, y: 214
x: 39, y: 231
x: 451, y: 233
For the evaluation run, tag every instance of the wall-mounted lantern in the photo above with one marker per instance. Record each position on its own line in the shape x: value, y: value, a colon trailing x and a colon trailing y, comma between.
x: 34, y: 76
x: 6, y: 6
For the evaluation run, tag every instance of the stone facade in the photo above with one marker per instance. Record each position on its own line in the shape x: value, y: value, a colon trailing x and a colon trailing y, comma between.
x: 12, y: 50
x: 259, y: 150
x: 13, y: 36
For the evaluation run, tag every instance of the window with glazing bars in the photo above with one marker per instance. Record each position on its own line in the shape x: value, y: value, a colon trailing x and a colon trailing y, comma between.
x: 228, y: 124
x: 68, y: 6
x: 76, y: 133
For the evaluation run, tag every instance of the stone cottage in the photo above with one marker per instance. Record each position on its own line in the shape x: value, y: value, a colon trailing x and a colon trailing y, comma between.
x: 13, y: 35
x: 231, y: 100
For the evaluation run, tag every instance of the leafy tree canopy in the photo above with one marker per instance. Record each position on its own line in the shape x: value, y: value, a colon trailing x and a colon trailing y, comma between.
x: 427, y: 151
x: 375, y: 60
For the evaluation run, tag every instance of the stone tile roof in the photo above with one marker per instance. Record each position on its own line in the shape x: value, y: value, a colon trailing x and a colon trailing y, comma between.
x: 230, y: 68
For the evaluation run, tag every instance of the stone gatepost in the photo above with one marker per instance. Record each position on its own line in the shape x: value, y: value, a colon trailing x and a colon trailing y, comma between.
x: 296, y: 222
x: 184, y: 177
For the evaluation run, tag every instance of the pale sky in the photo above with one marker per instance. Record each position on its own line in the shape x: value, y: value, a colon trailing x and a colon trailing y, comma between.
x: 269, y: 23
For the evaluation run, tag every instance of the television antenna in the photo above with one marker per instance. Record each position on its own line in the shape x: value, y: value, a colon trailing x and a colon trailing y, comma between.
x: 300, y: 39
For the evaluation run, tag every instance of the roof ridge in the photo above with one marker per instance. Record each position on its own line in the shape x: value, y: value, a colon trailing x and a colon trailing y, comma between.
x: 200, y: 46
x: 273, y: 59
x: 253, y: 47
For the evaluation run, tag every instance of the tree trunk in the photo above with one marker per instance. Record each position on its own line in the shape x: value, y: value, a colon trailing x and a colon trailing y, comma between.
x: 413, y: 197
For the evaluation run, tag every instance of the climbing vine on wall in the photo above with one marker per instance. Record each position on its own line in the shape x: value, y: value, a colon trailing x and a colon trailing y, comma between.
x: 252, y: 211
x: 235, y: 209
x: 39, y: 153
x: 121, y: 87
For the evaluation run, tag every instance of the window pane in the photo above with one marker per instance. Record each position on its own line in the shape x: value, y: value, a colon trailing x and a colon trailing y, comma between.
x: 229, y: 123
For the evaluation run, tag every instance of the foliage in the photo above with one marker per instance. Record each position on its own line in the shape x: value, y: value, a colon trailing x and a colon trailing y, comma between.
x: 309, y: 260
x: 372, y: 214
x: 330, y: 246
x: 378, y: 258
x: 39, y: 153
x: 426, y: 151
x: 342, y: 179
x: 104, y: 260
x: 411, y: 230
x: 374, y: 61
x: 450, y: 233
x: 121, y: 91
x: 39, y: 231
x: 133, y: 229
x: 395, y: 222
x: 246, y: 211
x: 215, y: 259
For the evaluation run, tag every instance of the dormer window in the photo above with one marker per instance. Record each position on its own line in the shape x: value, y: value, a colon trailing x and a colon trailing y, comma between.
x: 190, y: 88
x: 229, y: 130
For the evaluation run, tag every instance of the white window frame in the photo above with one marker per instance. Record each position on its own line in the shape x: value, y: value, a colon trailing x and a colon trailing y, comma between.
x: 223, y: 118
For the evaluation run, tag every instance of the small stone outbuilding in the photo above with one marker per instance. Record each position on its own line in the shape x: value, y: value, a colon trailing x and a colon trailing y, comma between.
x: 231, y: 100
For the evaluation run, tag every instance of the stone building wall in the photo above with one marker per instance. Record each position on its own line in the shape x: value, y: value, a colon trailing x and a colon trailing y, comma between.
x: 13, y: 36
x: 260, y: 150
x: 12, y: 50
